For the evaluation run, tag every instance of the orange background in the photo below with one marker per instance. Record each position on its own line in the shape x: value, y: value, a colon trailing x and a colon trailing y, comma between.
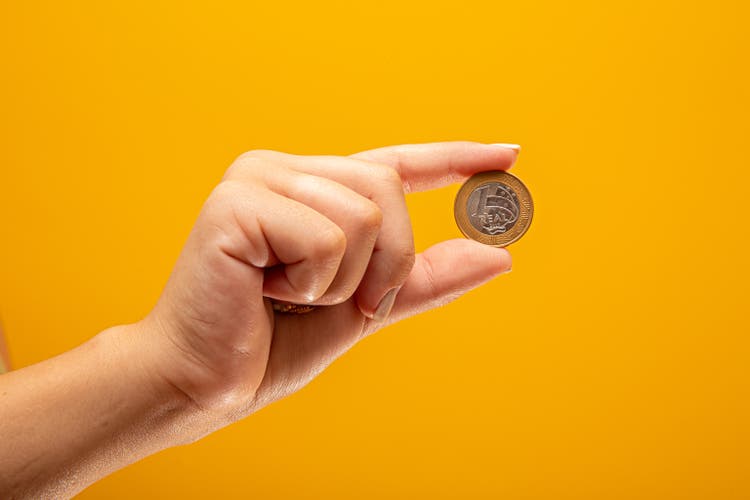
x: 612, y: 363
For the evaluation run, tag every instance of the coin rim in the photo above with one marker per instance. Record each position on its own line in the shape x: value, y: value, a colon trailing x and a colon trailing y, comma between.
x: 526, y: 206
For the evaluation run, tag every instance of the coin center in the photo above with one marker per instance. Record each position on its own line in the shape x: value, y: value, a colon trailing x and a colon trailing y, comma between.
x: 493, y: 208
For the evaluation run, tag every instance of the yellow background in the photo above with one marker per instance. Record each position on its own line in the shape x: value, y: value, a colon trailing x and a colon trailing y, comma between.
x: 612, y: 363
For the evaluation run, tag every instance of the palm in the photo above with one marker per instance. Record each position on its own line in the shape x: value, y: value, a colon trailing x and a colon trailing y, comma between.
x: 303, y: 344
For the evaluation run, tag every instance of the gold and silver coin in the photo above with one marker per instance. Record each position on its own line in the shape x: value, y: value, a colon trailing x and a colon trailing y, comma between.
x: 494, y: 208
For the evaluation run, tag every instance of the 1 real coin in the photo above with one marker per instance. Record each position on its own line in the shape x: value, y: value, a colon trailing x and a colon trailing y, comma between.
x: 494, y: 208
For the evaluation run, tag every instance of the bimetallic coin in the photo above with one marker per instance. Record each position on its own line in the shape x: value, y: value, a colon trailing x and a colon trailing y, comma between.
x: 493, y: 208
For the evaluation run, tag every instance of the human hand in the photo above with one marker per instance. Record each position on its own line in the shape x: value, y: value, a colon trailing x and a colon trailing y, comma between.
x: 324, y: 230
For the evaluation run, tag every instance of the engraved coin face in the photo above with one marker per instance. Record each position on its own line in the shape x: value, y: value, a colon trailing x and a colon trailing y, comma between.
x: 494, y: 208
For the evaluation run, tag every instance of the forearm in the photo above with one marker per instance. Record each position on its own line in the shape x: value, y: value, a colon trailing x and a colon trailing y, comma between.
x: 72, y: 419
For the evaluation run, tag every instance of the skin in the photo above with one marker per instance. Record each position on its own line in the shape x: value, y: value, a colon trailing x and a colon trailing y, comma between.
x: 4, y: 358
x: 323, y: 230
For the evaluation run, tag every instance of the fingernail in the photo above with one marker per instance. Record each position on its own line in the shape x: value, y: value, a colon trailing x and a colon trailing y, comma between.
x: 506, y: 271
x: 386, y: 304
x: 514, y: 147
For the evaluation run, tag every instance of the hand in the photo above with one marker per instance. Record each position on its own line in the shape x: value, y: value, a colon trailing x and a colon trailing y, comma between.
x: 323, y: 230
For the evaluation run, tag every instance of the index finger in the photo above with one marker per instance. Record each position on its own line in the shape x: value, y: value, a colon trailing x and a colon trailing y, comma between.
x: 436, y: 164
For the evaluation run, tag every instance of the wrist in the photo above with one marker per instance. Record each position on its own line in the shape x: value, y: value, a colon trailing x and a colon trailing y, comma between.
x: 137, y: 354
x: 74, y: 418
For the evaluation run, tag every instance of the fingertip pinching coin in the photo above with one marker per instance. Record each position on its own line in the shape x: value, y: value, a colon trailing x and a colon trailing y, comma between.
x: 494, y: 208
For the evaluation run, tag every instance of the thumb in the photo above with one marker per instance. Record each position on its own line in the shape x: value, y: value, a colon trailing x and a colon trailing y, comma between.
x: 446, y: 271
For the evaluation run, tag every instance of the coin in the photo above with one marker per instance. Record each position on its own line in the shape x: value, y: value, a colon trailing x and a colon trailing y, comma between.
x: 494, y: 208
x: 288, y: 308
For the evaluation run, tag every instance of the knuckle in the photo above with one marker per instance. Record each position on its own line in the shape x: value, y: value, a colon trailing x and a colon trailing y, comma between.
x: 228, y: 199
x: 227, y: 191
x: 368, y: 215
x: 248, y: 163
x: 300, y: 183
x: 222, y: 203
x: 330, y: 244
x: 234, y: 190
x: 389, y: 176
